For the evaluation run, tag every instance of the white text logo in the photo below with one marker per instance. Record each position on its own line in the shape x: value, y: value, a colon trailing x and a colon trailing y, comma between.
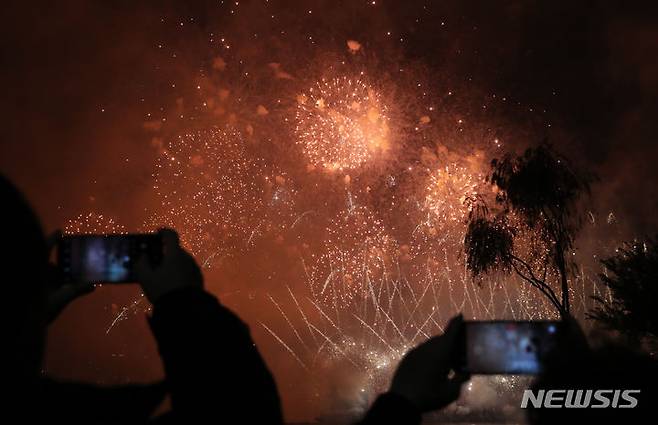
x: 580, y: 399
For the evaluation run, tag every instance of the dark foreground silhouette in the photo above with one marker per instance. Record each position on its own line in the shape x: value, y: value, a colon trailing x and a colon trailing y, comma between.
x: 213, y: 371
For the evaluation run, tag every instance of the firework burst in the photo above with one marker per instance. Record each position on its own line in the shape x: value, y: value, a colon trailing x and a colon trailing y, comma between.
x: 210, y: 190
x: 447, y: 192
x: 341, y: 123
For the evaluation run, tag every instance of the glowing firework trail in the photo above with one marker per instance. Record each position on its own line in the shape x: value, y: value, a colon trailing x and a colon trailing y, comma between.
x: 252, y: 234
x: 116, y: 319
x: 326, y: 282
x: 285, y: 316
x: 311, y: 328
x: 133, y: 306
x: 333, y: 344
x: 301, y: 312
x: 416, y: 300
x: 367, y: 326
x: 509, y: 302
x: 290, y: 350
x: 341, y: 123
x: 208, y: 261
x: 420, y: 329
x: 389, y: 320
x: 416, y: 306
x: 326, y: 316
x: 302, y: 215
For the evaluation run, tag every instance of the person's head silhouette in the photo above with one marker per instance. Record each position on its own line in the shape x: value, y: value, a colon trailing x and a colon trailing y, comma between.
x: 23, y: 268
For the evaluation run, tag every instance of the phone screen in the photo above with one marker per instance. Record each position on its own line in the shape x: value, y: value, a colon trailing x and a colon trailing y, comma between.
x: 508, y: 347
x: 105, y: 258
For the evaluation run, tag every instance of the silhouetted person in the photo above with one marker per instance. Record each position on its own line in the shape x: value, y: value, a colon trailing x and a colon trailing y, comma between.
x: 213, y: 371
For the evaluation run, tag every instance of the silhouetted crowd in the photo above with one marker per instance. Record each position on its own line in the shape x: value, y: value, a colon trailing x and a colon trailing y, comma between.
x: 213, y: 370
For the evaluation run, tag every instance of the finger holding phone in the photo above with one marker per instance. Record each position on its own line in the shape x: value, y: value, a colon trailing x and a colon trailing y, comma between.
x: 426, y: 376
x: 176, y: 270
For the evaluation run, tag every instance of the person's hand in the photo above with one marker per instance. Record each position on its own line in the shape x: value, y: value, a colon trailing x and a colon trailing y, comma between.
x: 424, y: 374
x: 177, y: 269
x: 58, y: 293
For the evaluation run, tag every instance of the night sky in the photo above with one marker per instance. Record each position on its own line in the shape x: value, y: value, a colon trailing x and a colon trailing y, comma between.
x: 93, y: 93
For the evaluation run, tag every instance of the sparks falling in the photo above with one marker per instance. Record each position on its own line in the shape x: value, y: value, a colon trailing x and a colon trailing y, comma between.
x: 210, y: 190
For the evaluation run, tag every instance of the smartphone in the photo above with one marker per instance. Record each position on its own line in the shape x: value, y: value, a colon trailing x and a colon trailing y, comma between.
x: 105, y: 258
x: 507, y: 347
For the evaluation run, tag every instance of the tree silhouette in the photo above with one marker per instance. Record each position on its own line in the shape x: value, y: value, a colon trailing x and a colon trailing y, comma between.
x: 537, y: 195
x: 631, y: 275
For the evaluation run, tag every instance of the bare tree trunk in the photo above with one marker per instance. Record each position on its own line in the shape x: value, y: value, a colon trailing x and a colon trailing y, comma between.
x: 561, y: 263
x: 562, y: 268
